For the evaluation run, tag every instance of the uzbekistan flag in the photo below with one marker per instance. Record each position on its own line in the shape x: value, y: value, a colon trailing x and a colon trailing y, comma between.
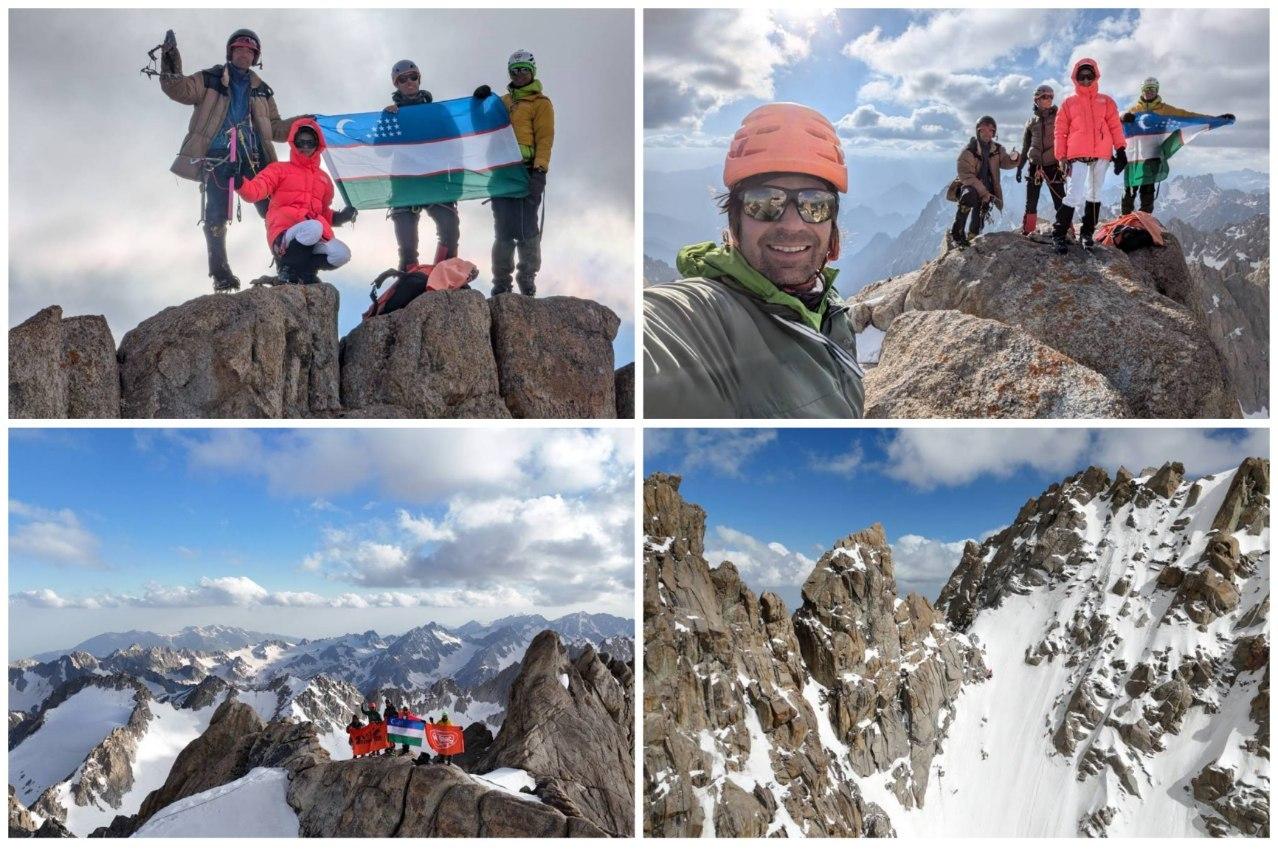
x: 425, y: 154
x: 406, y: 731
x: 1153, y: 138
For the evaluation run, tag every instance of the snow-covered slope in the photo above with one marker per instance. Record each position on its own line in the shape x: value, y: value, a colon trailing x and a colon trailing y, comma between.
x: 70, y: 731
x: 1121, y: 659
x: 168, y: 731
x: 252, y: 806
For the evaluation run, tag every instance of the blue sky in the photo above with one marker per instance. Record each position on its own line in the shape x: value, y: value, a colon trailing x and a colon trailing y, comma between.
x: 905, y: 87
x: 312, y: 532
x: 776, y: 500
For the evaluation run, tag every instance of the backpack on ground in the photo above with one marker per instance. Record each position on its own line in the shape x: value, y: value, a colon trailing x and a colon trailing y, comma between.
x: 1132, y: 231
x: 451, y: 274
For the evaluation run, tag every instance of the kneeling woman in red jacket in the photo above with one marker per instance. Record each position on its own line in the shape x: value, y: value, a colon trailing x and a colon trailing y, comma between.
x: 299, y: 221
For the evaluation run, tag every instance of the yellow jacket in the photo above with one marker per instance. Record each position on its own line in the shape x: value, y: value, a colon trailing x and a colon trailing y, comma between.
x: 1161, y: 107
x: 533, y: 118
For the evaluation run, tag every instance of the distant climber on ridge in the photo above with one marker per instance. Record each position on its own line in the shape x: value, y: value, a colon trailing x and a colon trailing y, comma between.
x: 517, y: 221
x: 232, y: 126
x: 978, y: 184
x: 1039, y: 146
x: 300, y: 220
x: 406, y: 77
x: 1154, y: 169
x: 1088, y: 136
x: 756, y: 327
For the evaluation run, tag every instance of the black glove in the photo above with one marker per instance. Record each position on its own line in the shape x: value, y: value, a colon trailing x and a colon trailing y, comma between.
x: 1129, y: 117
x: 170, y: 41
x: 239, y: 181
x: 346, y: 214
x: 1120, y: 160
x: 483, y: 92
x: 1018, y: 171
x: 1228, y: 116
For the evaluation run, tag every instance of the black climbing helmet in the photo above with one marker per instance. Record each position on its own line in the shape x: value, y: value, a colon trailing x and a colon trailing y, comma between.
x: 987, y: 119
x: 244, y: 38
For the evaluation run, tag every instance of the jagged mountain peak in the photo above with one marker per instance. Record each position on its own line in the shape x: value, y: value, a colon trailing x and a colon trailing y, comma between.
x: 1109, y: 646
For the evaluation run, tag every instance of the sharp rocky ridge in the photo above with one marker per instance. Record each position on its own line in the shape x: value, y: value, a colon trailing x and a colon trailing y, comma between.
x: 90, y: 738
x: 1098, y: 668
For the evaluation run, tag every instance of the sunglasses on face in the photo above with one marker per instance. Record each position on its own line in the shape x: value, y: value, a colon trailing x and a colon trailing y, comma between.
x: 306, y: 142
x: 407, y: 78
x: 1046, y: 97
x: 768, y: 203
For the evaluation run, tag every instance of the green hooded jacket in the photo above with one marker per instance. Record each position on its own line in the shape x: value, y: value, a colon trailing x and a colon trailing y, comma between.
x: 725, y: 342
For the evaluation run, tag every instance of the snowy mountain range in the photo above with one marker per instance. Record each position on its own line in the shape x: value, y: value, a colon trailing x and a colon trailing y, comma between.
x: 1097, y: 668
x: 214, y: 637
x: 90, y: 736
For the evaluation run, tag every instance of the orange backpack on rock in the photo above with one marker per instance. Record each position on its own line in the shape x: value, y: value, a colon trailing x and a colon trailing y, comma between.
x: 451, y: 274
x: 1130, y: 232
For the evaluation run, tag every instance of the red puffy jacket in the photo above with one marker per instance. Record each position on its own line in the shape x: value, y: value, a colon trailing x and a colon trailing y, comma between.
x: 299, y: 189
x: 1087, y: 124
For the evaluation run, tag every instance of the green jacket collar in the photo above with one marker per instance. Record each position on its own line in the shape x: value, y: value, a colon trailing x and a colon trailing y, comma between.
x: 710, y: 260
x: 533, y: 88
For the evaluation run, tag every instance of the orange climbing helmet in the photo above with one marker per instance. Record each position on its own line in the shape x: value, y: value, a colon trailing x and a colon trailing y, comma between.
x: 786, y: 137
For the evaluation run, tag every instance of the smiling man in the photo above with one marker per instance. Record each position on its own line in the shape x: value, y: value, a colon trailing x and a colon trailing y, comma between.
x: 755, y: 329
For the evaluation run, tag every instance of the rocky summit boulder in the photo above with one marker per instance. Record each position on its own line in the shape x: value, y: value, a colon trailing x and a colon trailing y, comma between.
x: 262, y: 352
x: 63, y: 367
x: 434, y: 358
x: 554, y: 356
x: 235, y: 742
x: 626, y: 391
x: 572, y: 722
x: 391, y: 797
x: 1127, y: 319
x: 950, y: 364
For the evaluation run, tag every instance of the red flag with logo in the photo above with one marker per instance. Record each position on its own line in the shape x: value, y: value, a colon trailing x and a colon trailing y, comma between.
x: 445, y: 739
x: 368, y: 739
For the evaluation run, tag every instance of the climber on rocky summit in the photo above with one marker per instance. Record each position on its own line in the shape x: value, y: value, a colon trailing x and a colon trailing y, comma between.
x: 517, y: 221
x: 1039, y: 145
x: 354, y: 726
x: 978, y: 184
x: 234, y: 113
x: 406, y: 77
x: 1088, y: 136
x: 1154, y: 171
x: 299, y: 220
x: 756, y: 327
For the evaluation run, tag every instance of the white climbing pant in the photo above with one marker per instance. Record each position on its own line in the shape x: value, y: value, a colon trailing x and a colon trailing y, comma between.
x: 1089, y: 176
x: 310, y: 232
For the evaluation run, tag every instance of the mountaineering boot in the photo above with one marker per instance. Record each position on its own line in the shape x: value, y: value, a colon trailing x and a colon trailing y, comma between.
x: 297, y: 264
x: 1029, y: 223
x: 529, y: 265
x: 405, y: 219
x: 978, y: 221
x: 1091, y: 212
x: 1128, y: 203
x: 1060, y: 231
x: 958, y: 238
x: 219, y: 267
x: 1147, y: 198
x: 503, y: 265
